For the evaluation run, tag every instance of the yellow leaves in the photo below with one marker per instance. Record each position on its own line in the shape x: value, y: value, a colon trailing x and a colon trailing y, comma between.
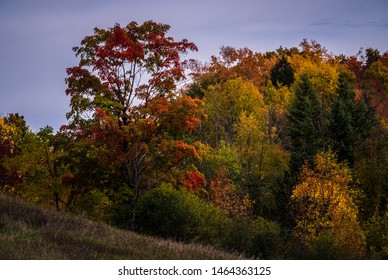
x: 323, y: 74
x: 323, y: 202
x: 7, y: 131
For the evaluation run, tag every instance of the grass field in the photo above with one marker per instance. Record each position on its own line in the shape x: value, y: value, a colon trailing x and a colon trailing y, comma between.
x: 31, y: 232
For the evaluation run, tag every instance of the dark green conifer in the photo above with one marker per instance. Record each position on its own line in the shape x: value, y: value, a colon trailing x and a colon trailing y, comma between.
x: 282, y: 73
x: 305, y: 127
x: 341, y: 128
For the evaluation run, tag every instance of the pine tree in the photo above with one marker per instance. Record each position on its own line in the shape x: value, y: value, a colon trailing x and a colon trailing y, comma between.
x: 341, y: 128
x: 282, y: 73
x: 351, y: 121
x: 305, y: 125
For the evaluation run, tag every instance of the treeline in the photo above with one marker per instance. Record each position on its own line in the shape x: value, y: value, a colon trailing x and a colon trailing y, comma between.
x: 280, y: 154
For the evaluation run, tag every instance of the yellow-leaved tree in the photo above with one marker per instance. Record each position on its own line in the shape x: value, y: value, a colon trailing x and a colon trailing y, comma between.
x: 326, y: 214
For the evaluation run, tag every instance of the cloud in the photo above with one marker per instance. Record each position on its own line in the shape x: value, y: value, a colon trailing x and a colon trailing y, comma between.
x: 342, y: 23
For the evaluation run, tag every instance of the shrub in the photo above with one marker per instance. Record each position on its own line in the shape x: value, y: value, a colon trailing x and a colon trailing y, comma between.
x: 325, y: 247
x: 179, y: 214
x: 94, y: 204
x: 377, y: 237
x: 255, y: 236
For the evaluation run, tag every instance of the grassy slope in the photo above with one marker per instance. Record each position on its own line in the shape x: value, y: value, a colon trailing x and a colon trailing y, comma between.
x: 30, y: 232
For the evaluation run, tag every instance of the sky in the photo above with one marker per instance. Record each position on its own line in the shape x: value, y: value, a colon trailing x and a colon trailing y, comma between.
x: 37, y: 37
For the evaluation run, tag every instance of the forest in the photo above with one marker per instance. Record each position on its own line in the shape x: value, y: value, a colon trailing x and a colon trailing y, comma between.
x: 275, y: 155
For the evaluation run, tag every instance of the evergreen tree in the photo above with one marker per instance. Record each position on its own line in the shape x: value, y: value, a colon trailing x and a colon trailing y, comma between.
x: 372, y: 55
x: 364, y: 120
x: 305, y: 125
x: 341, y: 128
x: 282, y: 73
x: 351, y: 121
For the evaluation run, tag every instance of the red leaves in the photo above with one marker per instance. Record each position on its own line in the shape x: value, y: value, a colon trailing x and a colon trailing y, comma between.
x: 124, y: 66
x: 193, y: 180
x: 125, y: 105
x: 110, y: 55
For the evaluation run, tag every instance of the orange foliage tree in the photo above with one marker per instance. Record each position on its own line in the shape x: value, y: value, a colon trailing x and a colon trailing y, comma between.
x: 125, y: 101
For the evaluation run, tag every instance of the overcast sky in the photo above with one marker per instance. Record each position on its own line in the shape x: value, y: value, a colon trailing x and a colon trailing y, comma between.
x: 36, y: 37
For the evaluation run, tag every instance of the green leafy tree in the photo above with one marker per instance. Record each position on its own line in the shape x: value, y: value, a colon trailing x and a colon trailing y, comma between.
x: 38, y: 163
x: 351, y: 120
x: 179, y: 214
x: 224, y: 104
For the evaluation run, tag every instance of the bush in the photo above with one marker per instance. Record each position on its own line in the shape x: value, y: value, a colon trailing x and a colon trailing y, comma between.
x: 179, y: 214
x: 94, y: 204
x: 266, y: 239
x: 377, y: 237
x: 257, y: 237
x: 325, y: 247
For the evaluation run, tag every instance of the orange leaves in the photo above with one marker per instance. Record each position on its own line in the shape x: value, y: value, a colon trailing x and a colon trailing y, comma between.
x: 103, y: 124
x: 193, y: 180
x: 158, y: 106
x: 193, y: 151
x: 188, y: 112
x: 176, y: 115
x: 223, y: 195
x: 123, y: 68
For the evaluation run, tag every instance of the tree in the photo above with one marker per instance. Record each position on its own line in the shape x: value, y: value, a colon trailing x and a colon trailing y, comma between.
x: 125, y: 101
x: 351, y: 120
x: 325, y: 206
x: 39, y: 164
x: 282, y: 73
x: 264, y: 162
x: 371, y: 169
x: 313, y: 50
x: 372, y: 55
x: 224, y: 195
x: 13, y: 130
x: 374, y: 86
x: 341, y: 128
x: 122, y: 69
x: 224, y: 104
x: 277, y: 100
x: 305, y: 129
x: 231, y: 64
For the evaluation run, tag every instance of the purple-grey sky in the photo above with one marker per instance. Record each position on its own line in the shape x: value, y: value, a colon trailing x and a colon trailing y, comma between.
x: 36, y: 37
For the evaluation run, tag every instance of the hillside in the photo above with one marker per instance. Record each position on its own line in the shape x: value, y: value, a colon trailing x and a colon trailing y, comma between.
x: 30, y: 232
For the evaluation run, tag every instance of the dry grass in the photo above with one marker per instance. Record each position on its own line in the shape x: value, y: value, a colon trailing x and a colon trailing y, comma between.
x: 30, y: 232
